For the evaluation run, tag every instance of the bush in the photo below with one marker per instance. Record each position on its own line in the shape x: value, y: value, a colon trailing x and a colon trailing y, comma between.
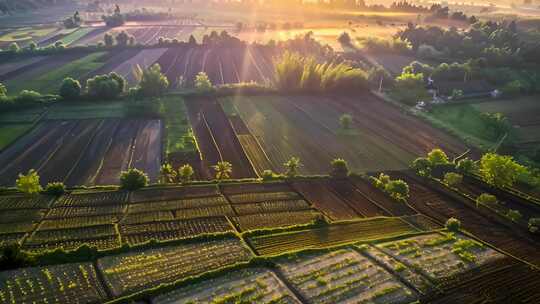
x: 133, y: 179
x: 452, y: 179
x: 514, y: 215
x: 70, y: 89
x: 105, y: 86
x: 223, y: 170
x: 422, y: 166
x: 345, y: 121
x: 269, y: 175
x: 203, y: 83
x: 28, y: 96
x: 437, y: 157
x: 29, y: 183
x: 486, y: 199
x: 398, y: 189
x: 453, y: 224
x: 185, y: 173
x: 467, y: 166
x: 292, y: 166
x: 3, y: 90
x: 410, y: 88
x: 296, y: 73
x: 55, y: 188
x: 153, y: 83
x: 340, y: 169
x: 534, y: 225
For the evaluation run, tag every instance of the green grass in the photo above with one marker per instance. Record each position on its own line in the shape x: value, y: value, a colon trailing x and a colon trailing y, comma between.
x: 179, y: 135
x: 50, y: 82
x: 87, y: 110
x: 465, y: 121
x: 10, y: 132
x: 21, y: 116
x: 76, y: 35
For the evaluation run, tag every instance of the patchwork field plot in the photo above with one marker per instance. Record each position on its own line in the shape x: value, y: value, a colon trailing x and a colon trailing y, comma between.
x: 330, y: 235
x: 144, y: 59
x: 261, y: 197
x: 248, y: 286
x: 241, y: 188
x: 296, y: 126
x: 343, y: 276
x: 172, y: 230
x: 173, y: 193
x: 87, y: 198
x: 275, y: 219
x: 271, y: 206
x: 128, y: 273
x: 432, y: 201
x: 188, y: 203
x: 68, y: 283
x: 216, y: 138
x: 25, y: 202
x: 440, y: 255
x: 85, y: 152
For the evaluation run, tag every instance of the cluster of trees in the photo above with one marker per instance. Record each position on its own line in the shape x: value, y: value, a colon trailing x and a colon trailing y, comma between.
x: 122, y: 39
x: 397, y: 188
x: 378, y: 45
x: 294, y: 72
x: 24, y: 99
x: 497, y: 42
x: 304, y: 44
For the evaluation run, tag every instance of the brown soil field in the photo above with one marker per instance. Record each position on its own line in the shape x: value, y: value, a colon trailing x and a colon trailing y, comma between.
x: 85, y: 152
x: 216, y: 138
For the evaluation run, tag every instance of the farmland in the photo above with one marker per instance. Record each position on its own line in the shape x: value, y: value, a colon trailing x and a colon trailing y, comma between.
x: 221, y: 152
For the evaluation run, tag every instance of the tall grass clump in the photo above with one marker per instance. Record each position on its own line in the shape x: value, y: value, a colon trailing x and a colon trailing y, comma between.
x: 294, y: 72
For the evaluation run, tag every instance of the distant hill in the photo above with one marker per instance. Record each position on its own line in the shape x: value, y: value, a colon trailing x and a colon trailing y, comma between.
x: 9, y: 6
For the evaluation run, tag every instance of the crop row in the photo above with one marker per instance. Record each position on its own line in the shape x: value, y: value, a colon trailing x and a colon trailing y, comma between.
x: 271, y: 206
x: 330, y: 235
x: 275, y: 219
x: 92, y: 199
x: 261, y: 197
x: 25, y: 202
x: 178, y: 204
x: 131, y: 272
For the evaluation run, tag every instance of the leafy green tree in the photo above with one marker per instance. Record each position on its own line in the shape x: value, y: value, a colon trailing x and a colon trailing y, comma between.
x: 381, y: 181
x: 397, y: 189
x: 345, y: 121
x: 14, y: 47
x: 452, y: 179
x: 223, y: 170
x: 32, y: 46
x: 437, y: 157
x: 29, y: 183
x: 3, y: 90
x: 55, y: 188
x: 410, y: 87
x: 133, y: 179
x: 292, y: 166
x: 486, y: 199
x: 70, y: 89
x: 514, y: 215
x: 202, y: 82
x: 168, y: 174
x: 340, y: 169
x: 422, y: 166
x: 185, y: 173
x: 106, y: 86
x: 453, y: 224
x: 467, y: 166
x: 153, y: 83
x: 499, y: 170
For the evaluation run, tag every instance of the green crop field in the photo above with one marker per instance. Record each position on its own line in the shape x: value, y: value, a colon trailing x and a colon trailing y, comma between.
x: 10, y: 132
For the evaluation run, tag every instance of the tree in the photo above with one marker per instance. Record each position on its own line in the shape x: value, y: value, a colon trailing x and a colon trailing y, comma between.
x: 452, y: 179
x: 437, y: 157
x: 108, y: 39
x: 292, y: 166
x: 500, y: 171
x: 14, y: 47
x: 122, y: 38
x: 422, y: 166
x: 29, y: 183
x: 202, y: 82
x: 467, y: 166
x: 55, y: 188
x: 133, y: 179
x: 3, y: 90
x: 185, y: 173
x: 397, y: 189
x: 153, y: 83
x: 453, y: 224
x: 106, y: 86
x: 192, y: 40
x: 223, y: 170
x: 410, y: 87
x: 344, y: 39
x: 32, y: 46
x: 340, y: 169
x: 168, y: 174
x: 70, y: 89
x: 345, y: 121
x: 486, y: 199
